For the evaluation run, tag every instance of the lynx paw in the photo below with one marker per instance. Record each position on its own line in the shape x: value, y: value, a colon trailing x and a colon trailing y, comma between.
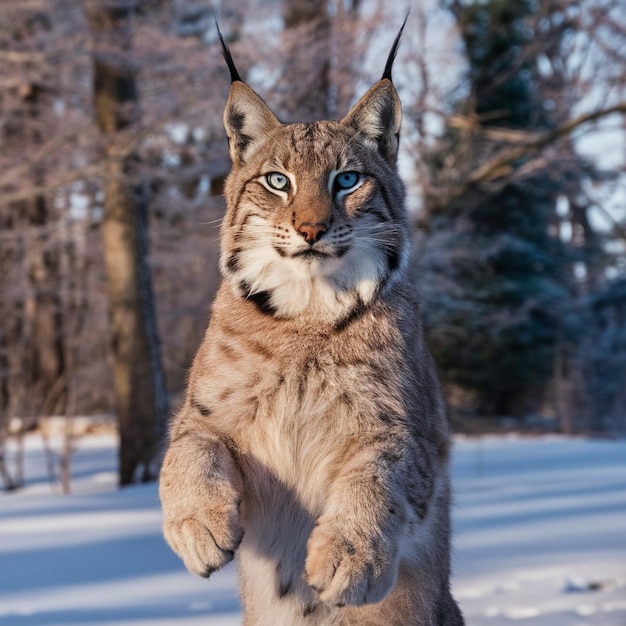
x: 205, y: 538
x: 202, y: 548
x: 347, y: 566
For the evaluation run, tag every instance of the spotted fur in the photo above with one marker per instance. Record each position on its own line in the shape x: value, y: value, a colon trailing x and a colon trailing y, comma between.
x: 312, y: 445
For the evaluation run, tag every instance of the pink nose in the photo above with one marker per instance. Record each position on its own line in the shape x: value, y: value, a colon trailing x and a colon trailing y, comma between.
x: 312, y: 232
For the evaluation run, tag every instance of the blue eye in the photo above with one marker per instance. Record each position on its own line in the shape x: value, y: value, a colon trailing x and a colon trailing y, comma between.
x: 277, y: 181
x: 347, y: 180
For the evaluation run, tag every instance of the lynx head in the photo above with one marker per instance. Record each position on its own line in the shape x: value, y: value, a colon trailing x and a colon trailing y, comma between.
x: 315, y: 224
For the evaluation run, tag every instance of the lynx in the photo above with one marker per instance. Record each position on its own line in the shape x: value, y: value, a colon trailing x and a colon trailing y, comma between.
x: 312, y: 445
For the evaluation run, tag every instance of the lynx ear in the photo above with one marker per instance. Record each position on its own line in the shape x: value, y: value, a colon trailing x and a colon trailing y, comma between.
x: 247, y: 119
x: 377, y: 117
x: 378, y: 114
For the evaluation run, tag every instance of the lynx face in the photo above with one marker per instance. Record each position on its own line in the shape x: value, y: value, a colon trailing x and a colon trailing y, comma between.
x: 316, y: 222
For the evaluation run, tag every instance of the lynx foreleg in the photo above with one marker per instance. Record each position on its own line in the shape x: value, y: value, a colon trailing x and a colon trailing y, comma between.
x: 200, y: 490
x: 353, y: 552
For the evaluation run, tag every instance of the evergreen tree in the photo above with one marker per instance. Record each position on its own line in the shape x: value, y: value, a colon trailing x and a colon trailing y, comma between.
x: 493, y: 273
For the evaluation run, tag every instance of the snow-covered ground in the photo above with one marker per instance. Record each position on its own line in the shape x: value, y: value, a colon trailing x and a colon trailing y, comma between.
x: 540, y: 540
x: 540, y: 532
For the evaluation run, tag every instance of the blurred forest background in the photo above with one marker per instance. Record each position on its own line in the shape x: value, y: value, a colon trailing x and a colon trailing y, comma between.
x: 113, y: 156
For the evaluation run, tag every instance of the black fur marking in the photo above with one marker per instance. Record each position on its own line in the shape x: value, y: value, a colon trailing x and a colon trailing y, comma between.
x: 341, y: 251
x: 234, y: 74
x: 381, y: 146
x: 358, y: 310
x: 347, y: 399
x: 308, y: 609
x: 386, y: 116
x: 233, y: 261
x: 236, y: 121
x: 302, y: 387
x: 392, y: 53
x: 262, y: 299
x: 284, y: 588
x: 309, y: 253
x: 393, y: 259
x: 383, y: 417
x: 419, y: 507
x: 204, y: 410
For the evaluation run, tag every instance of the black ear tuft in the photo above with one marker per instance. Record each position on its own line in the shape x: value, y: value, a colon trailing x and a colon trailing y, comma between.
x: 234, y: 74
x: 392, y: 53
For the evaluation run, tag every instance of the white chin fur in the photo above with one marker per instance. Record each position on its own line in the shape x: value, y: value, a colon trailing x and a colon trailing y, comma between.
x: 325, y: 289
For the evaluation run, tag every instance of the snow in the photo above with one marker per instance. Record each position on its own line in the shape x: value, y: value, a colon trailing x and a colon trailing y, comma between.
x: 540, y: 540
x: 540, y: 532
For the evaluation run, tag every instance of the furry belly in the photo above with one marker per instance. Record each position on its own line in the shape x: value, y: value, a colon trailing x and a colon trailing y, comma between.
x: 271, y: 558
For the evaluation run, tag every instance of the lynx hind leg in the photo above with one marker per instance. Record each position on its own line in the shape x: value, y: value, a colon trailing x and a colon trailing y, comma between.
x: 200, y: 491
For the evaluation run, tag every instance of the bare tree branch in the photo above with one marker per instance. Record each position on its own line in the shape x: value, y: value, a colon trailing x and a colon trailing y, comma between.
x: 90, y: 171
x: 527, y: 145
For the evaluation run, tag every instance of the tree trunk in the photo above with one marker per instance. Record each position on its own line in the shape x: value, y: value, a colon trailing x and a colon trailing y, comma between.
x: 307, y: 43
x: 138, y: 378
x: 32, y: 380
x: 46, y: 375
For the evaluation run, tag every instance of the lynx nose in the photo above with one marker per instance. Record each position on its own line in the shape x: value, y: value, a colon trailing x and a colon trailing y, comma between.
x: 312, y: 232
